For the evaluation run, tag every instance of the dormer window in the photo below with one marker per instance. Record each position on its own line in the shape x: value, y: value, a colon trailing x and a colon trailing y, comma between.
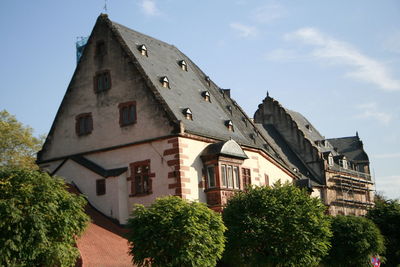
x: 143, y: 50
x: 330, y: 160
x: 188, y: 113
x: 229, y: 108
x: 183, y: 65
x: 206, y: 96
x: 344, y: 164
x: 229, y: 125
x: 208, y: 81
x: 165, y: 82
x: 308, y: 126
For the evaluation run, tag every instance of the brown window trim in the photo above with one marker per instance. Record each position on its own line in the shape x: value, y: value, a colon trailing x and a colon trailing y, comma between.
x: 121, y: 106
x: 246, y: 177
x: 101, y: 187
x: 97, y: 76
x: 150, y: 175
x: 78, y: 124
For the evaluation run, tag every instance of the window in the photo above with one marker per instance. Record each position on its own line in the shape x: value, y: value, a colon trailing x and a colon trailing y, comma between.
x: 100, y: 49
x: 211, y: 176
x: 208, y: 81
x: 330, y: 160
x: 102, y: 81
x: 229, y: 125
x: 127, y: 113
x: 101, y: 187
x: 165, y: 82
x: 246, y: 177
x: 206, y: 96
x: 183, y: 65
x: 84, y: 124
x: 223, y: 175
x: 229, y: 176
x: 266, y: 179
x: 143, y: 50
x: 188, y: 113
x: 141, y: 182
x: 236, y: 177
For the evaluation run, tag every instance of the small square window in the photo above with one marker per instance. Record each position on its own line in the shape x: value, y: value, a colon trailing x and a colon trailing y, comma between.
x: 84, y: 124
x: 127, y: 113
x: 101, y: 187
x: 102, y: 81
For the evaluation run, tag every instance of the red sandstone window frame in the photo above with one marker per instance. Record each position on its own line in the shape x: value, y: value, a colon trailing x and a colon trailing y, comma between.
x: 102, y: 81
x: 127, y: 113
x: 246, y: 177
x: 141, y: 178
x: 84, y: 124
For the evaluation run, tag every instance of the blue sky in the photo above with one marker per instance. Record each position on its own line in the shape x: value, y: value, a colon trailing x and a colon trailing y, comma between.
x: 336, y: 62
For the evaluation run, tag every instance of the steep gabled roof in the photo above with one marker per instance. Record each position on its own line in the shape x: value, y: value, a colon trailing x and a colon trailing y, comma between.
x: 351, y: 147
x: 186, y: 89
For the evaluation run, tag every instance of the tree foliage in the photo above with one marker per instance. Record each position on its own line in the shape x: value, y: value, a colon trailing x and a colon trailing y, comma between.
x: 174, y: 232
x: 355, y: 241
x: 18, y: 147
x: 39, y: 219
x: 278, y: 226
x: 386, y: 215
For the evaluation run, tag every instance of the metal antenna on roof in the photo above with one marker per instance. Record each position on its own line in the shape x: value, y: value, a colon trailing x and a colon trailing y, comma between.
x: 105, y: 6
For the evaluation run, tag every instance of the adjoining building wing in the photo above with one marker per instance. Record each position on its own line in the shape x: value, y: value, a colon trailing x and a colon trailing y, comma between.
x: 340, y: 164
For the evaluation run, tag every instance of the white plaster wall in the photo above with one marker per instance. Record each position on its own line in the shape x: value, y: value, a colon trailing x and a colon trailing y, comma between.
x: 194, y: 162
x: 85, y: 180
x: 158, y: 164
x: 256, y: 161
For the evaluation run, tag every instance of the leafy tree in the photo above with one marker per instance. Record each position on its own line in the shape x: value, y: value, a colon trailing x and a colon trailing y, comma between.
x: 17, y: 145
x: 386, y: 215
x: 39, y: 219
x: 355, y: 241
x: 175, y: 232
x: 278, y: 226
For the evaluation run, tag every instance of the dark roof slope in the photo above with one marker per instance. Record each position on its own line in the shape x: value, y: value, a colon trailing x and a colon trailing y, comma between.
x: 279, y: 144
x: 97, y: 168
x: 351, y: 147
x: 186, y: 89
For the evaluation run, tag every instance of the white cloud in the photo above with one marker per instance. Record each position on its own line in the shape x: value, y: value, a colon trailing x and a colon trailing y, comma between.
x: 269, y: 12
x: 335, y: 51
x: 149, y: 7
x: 244, y: 30
x: 389, y: 185
x: 282, y: 55
x: 387, y: 156
x: 372, y: 111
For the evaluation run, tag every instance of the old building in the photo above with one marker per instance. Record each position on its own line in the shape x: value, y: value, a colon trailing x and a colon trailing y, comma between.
x: 140, y: 120
x: 339, y: 166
